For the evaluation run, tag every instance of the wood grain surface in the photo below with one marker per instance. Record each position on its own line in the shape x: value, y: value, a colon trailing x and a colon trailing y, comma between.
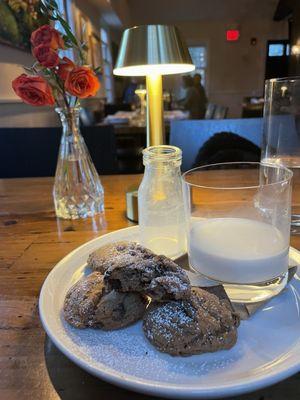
x: 32, y: 241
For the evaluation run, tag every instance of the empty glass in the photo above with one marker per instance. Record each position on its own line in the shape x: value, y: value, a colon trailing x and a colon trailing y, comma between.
x: 160, y: 202
x: 238, y: 221
x: 281, y: 134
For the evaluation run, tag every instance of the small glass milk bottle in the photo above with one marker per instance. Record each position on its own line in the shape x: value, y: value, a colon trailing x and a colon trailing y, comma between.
x: 160, y: 202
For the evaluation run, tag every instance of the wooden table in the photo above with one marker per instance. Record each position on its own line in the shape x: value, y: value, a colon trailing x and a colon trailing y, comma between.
x: 32, y: 241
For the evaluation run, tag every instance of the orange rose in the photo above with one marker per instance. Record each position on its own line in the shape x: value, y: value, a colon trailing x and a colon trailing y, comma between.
x: 46, y: 56
x: 47, y: 36
x: 82, y: 82
x: 33, y: 90
x: 66, y: 65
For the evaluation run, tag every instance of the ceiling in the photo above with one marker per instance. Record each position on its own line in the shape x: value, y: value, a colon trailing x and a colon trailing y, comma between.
x: 172, y: 11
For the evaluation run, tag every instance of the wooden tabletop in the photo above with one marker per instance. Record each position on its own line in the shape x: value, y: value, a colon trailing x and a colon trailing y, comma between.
x: 32, y: 241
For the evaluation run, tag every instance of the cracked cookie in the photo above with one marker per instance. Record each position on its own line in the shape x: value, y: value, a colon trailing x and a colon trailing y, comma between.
x: 88, y: 304
x: 156, y: 276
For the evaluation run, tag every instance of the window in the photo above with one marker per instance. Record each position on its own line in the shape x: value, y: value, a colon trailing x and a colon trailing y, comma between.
x: 276, y: 50
x: 107, y: 66
x: 64, y: 8
x: 199, y: 58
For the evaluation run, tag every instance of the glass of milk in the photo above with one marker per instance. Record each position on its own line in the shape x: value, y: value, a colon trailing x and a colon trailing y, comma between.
x: 238, y: 226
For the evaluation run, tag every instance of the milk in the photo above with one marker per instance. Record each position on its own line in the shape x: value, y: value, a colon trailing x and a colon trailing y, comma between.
x: 167, y: 239
x: 237, y: 250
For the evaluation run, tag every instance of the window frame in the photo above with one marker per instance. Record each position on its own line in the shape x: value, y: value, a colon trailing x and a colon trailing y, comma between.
x: 107, y: 64
x: 204, y: 68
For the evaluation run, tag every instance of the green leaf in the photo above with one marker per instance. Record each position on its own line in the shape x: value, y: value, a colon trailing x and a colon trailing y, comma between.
x: 98, y: 70
x: 29, y: 70
x: 43, y: 7
x: 50, y: 3
x: 67, y: 29
x: 53, y: 4
x: 46, y: 6
x: 46, y: 72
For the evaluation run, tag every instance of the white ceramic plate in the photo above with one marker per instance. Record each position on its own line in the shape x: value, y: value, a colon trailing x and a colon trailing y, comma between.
x: 267, y: 351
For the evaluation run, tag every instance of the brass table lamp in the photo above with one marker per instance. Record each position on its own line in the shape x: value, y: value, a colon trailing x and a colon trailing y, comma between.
x: 153, y: 51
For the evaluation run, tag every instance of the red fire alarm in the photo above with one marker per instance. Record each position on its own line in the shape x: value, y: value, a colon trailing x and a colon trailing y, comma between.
x: 232, y: 35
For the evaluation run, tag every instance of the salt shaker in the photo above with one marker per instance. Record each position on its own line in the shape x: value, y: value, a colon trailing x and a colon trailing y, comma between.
x: 160, y: 202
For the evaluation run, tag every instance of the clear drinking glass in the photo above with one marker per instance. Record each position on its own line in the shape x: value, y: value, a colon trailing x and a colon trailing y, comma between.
x: 281, y: 133
x: 238, y: 220
x: 160, y: 202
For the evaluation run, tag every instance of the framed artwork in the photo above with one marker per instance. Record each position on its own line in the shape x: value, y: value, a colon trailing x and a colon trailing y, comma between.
x: 19, y: 18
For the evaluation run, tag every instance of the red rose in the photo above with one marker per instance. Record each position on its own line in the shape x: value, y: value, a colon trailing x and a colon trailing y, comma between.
x: 33, y: 90
x: 82, y: 82
x: 47, y: 36
x: 65, y: 66
x: 46, y: 56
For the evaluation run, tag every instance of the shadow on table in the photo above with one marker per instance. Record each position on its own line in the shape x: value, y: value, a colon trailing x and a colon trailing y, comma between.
x: 73, y: 383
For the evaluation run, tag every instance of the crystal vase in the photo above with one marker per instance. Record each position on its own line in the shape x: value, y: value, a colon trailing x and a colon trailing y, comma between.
x: 77, y: 191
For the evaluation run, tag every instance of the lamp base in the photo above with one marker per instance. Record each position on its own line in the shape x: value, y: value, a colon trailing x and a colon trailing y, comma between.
x: 132, y: 212
x: 155, y: 112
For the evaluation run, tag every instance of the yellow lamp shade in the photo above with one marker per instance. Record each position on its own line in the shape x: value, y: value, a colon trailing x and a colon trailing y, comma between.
x: 152, y: 49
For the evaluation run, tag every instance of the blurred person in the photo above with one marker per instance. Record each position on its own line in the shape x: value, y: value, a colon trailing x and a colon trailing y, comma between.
x: 197, y: 78
x: 191, y: 101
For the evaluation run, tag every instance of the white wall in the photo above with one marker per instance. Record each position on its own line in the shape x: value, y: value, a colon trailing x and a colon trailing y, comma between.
x: 13, y: 112
x: 11, y: 61
x: 235, y: 69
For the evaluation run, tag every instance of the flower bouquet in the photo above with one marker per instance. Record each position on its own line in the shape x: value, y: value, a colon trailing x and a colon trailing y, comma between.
x: 57, y: 80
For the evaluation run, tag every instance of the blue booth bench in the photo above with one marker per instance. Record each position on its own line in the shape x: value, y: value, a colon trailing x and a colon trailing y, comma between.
x: 190, y: 135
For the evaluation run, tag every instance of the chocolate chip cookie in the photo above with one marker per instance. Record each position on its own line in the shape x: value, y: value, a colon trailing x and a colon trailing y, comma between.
x: 88, y: 304
x: 101, y: 259
x: 156, y: 276
x: 201, y: 324
x: 117, y: 310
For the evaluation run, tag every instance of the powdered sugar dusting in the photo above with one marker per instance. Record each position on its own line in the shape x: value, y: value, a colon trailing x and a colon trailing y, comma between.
x: 166, y: 319
x: 127, y: 351
x: 125, y: 356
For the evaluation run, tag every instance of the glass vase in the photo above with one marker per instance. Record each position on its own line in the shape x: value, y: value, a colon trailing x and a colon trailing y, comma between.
x: 77, y: 191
